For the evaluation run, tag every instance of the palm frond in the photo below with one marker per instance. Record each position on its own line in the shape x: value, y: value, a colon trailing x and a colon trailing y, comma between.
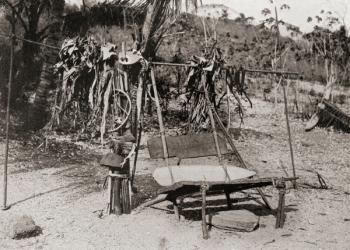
x: 160, y: 15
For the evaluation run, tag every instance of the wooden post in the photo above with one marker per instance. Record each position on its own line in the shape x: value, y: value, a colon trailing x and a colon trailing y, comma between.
x: 139, y: 130
x: 4, y: 205
x: 280, y: 216
x: 204, y: 205
x: 117, y: 205
x: 289, y: 134
x: 228, y: 199
x: 161, y: 125
x: 124, y: 19
x: 110, y: 192
x: 228, y: 92
x: 125, y: 190
x: 118, y: 194
x: 176, y: 209
x: 126, y: 201
x: 118, y: 180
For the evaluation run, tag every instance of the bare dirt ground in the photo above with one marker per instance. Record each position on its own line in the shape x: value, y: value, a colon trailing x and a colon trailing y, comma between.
x: 62, y: 190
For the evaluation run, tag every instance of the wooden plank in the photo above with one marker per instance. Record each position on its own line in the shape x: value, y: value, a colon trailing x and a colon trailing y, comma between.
x: 186, y: 146
x: 206, y: 173
x: 187, y: 188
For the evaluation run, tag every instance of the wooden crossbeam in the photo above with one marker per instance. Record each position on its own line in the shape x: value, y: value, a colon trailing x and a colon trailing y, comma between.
x: 275, y: 72
x: 271, y: 72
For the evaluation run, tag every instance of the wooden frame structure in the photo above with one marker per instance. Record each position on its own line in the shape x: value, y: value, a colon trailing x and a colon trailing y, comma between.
x: 181, y: 189
x: 189, y: 188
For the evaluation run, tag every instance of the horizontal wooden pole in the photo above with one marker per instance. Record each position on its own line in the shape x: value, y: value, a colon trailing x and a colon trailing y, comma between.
x: 247, y: 70
x: 172, y: 64
x: 271, y: 72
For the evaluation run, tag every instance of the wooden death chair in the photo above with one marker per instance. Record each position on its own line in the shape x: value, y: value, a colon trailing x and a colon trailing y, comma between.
x: 187, y: 180
x: 180, y: 181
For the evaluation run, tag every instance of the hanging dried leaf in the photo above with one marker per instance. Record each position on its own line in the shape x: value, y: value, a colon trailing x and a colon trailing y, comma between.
x: 88, y: 71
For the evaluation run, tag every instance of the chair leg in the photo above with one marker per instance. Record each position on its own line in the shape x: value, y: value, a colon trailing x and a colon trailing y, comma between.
x: 228, y: 199
x: 280, y: 217
x: 176, y: 209
x: 204, y: 205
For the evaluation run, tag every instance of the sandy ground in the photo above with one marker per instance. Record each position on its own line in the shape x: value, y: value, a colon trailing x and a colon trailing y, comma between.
x: 63, y: 193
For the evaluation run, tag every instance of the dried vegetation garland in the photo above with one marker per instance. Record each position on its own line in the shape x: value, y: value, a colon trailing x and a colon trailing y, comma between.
x: 220, y: 82
x: 90, y: 96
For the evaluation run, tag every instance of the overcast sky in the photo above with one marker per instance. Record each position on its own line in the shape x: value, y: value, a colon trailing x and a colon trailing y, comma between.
x: 299, y: 11
x: 297, y: 15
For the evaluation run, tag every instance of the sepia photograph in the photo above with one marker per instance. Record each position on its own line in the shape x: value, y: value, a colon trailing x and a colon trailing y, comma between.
x: 174, y: 124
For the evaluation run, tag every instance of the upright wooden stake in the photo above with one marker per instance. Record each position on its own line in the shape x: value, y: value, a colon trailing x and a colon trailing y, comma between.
x: 204, y: 216
x: 4, y: 205
x: 280, y: 216
x: 212, y: 122
x: 289, y: 133
x: 228, y: 92
x: 110, y: 192
x: 161, y: 125
x: 124, y: 19
x: 140, y: 128
x: 126, y: 196
x: 117, y: 206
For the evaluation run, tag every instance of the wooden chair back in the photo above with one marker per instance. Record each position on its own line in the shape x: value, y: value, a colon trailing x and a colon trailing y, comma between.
x: 186, y: 146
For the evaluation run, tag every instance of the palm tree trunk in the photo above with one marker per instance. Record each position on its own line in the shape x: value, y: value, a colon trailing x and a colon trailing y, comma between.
x: 39, y: 111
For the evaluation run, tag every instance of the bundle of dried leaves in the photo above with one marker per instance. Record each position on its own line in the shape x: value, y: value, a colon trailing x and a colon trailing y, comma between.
x: 86, y: 100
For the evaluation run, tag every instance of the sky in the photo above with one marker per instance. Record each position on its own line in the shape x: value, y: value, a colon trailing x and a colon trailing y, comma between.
x: 298, y: 13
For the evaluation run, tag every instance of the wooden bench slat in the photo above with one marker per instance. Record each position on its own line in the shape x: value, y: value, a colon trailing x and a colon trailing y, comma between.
x: 188, y: 187
x: 199, y: 173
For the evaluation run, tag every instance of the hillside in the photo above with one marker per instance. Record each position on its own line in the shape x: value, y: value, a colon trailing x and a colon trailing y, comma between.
x: 242, y: 44
x: 216, y: 11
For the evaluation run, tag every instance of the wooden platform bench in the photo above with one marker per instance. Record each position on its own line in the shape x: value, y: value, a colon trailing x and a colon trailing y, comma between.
x: 181, y: 181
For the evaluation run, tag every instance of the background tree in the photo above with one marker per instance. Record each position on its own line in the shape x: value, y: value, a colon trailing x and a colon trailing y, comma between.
x: 50, y: 57
x: 31, y: 16
x: 329, y: 40
x: 274, y: 23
